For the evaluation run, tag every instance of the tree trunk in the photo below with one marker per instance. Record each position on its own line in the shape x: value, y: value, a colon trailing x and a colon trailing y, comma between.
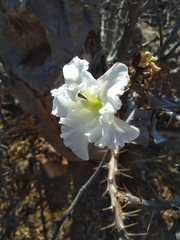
x: 37, y: 38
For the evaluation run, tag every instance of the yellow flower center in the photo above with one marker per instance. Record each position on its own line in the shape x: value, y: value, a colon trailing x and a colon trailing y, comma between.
x: 94, y: 104
x: 91, y: 104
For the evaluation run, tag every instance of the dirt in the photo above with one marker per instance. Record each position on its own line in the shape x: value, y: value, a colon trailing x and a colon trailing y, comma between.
x: 34, y: 196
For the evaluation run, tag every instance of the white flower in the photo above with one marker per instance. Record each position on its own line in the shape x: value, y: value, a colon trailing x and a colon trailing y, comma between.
x: 86, y: 108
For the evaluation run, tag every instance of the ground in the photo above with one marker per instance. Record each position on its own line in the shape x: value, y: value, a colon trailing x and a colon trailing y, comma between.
x: 36, y: 188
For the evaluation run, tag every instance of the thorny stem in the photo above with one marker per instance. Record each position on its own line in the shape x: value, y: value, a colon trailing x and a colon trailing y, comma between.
x: 79, y: 195
x: 113, y: 192
x: 117, y: 198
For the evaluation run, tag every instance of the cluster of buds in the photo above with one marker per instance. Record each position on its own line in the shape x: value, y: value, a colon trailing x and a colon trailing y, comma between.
x: 142, y: 69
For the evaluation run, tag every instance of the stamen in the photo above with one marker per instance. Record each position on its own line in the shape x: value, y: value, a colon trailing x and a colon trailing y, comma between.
x: 81, y: 96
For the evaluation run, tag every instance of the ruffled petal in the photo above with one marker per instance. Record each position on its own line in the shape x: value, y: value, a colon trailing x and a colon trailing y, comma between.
x: 77, y: 77
x: 72, y: 71
x: 61, y: 101
x: 110, y: 131
x: 112, y: 84
x: 76, y: 140
x: 72, y: 91
x: 86, y: 108
x: 109, y: 107
x: 124, y: 133
x: 74, y: 128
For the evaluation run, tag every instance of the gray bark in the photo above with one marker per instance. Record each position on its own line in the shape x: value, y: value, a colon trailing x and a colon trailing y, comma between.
x: 37, y: 38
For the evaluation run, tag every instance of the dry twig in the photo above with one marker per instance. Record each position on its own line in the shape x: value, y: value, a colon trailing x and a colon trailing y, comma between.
x: 79, y: 195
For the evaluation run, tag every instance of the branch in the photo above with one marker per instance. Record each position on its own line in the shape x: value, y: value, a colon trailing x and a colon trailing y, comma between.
x: 79, y: 195
x: 172, y: 51
x: 116, y: 207
x: 149, y: 204
x: 174, y: 232
x: 125, y: 42
x: 160, y: 27
x: 113, y: 192
x: 171, y: 36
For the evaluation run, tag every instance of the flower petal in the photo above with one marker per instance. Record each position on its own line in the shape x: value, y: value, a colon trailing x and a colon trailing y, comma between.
x: 73, y: 70
x: 124, y: 133
x: 112, y: 84
x: 74, y: 129
x: 111, y: 132
x: 61, y: 101
x: 77, y: 77
x: 76, y: 140
x: 86, y: 108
